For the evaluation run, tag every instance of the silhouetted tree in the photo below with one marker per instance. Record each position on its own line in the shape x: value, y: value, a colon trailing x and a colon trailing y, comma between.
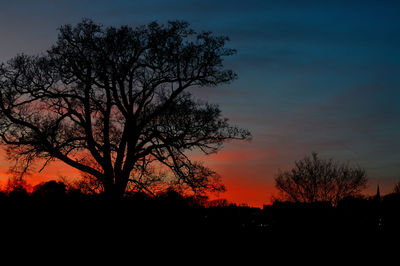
x: 88, y: 185
x: 218, y: 203
x: 396, y: 188
x: 112, y: 101
x: 50, y: 190
x: 17, y: 188
x: 172, y: 197
x: 314, y: 179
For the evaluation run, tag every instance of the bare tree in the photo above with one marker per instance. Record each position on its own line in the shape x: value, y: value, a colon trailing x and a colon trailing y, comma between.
x: 396, y: 188
x: 108, y: 101
x: 314, y: 179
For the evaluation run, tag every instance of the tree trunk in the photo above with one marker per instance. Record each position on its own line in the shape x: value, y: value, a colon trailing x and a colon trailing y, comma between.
x: 114, y: 189
x: 112, y: 192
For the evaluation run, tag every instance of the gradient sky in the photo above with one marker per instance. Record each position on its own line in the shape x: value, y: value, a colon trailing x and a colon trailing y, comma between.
x: 319, y: 76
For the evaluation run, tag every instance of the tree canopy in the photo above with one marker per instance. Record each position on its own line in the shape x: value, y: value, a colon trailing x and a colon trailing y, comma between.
x: 114, y: 101
x: 313, y: 179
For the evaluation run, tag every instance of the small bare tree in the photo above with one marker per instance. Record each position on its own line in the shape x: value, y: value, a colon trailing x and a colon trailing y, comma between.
x: 314, y: 179
x: 396, y: 188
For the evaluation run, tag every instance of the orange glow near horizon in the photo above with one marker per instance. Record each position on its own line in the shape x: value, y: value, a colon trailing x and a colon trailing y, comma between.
x: 248, y: 179
x: 243, y: 184
x: 246, y: 174
x: 53, y: 171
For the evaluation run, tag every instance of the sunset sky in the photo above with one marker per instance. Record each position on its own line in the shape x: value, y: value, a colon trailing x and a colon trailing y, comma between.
x: 319, y: 76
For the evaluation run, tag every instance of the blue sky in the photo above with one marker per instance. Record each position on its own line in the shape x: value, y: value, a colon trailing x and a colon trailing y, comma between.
x: 313, y: 75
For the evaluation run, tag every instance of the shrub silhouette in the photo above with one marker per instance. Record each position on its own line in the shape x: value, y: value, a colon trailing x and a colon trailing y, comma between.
x: 50, y: 190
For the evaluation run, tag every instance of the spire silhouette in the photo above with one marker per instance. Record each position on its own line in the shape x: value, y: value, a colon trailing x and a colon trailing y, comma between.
x: 378, y: 194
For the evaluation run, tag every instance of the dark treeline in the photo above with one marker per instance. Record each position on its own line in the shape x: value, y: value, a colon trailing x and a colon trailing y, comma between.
x: 53, y: 207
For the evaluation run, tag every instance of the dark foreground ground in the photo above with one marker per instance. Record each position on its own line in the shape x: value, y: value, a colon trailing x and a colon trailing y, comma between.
x: 88, y: 220
x: 171, y: 229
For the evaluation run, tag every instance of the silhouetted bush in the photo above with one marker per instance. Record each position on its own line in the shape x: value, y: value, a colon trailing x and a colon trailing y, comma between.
x: 50, y: 190
x: 18, y: 193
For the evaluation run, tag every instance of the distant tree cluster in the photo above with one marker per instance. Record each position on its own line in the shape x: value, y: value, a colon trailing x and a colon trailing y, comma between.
x: 313, y: 179
x: 84, y: 189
